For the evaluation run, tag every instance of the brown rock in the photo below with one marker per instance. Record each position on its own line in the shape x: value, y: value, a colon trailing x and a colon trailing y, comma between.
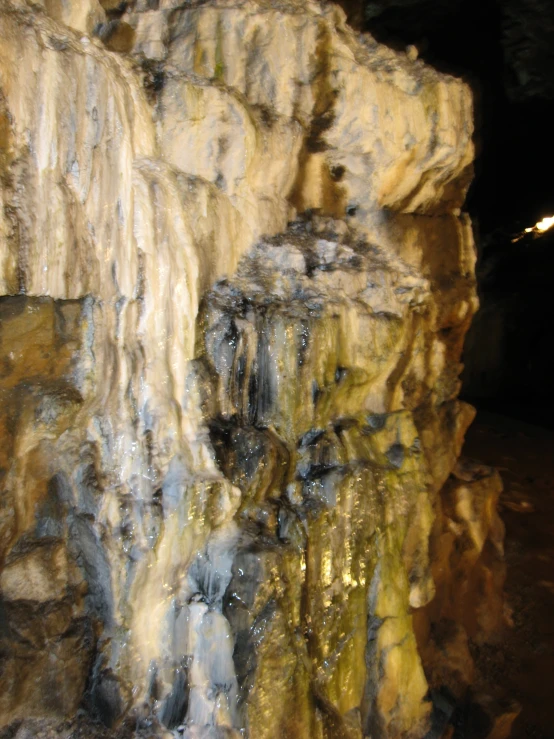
x: 119, y: 36
x: 40, y: 574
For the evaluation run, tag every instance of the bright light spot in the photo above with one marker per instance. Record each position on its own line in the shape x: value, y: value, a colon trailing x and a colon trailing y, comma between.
x: 539, y: 227
x: 545, y: 224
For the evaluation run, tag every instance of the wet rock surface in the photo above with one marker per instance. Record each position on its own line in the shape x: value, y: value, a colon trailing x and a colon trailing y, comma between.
x: 338, y: 471
x: 236, y: 285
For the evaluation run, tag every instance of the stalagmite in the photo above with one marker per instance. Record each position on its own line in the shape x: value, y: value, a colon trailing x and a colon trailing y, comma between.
x: 236, y: 282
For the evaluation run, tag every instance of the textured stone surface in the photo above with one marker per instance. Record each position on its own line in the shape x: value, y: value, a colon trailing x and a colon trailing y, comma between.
x: 237, y: 282
x: 312, y: 345
x: 468, y: 571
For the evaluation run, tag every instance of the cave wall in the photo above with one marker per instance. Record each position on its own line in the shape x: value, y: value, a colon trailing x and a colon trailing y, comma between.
x: 236, y: 282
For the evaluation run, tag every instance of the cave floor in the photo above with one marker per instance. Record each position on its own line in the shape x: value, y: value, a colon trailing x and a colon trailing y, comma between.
x: 521, y: 666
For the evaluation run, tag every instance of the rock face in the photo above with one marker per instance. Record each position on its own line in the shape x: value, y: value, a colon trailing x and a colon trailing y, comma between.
x: 237, y: 283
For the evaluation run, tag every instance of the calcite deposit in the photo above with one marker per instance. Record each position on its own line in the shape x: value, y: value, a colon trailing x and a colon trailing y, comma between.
x: 236, y: 284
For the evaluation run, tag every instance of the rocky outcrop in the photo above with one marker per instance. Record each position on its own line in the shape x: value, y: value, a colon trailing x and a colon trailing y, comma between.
x: 237, y: 283
x: 468, y: 572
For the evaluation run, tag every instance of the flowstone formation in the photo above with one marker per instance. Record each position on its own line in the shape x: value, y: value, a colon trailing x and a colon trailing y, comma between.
x: 236, y: 285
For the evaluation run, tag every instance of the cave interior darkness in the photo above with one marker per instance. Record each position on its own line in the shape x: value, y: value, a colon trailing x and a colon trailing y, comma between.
x: 505, y: 50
